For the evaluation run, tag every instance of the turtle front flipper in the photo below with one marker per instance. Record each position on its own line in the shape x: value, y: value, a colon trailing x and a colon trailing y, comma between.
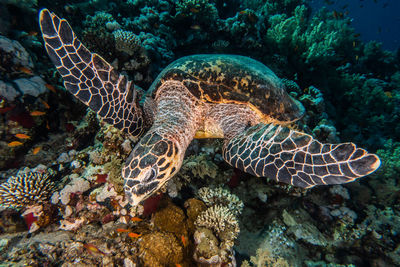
x: 296, y: 158
x: 89, y: 77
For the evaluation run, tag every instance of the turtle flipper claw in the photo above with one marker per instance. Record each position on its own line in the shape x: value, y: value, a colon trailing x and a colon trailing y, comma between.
x: 89, y: 77
x: 296, y: 158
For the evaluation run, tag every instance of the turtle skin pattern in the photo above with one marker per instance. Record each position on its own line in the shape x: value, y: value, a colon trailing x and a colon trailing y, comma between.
x: 90, y: 78
x: 155, y: 155
x: 296, y: 158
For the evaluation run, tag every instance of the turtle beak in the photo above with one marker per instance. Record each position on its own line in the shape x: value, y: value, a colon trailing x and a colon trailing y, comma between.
x: 133, y: 199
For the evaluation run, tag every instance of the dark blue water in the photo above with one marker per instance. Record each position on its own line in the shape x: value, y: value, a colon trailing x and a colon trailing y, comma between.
x: 374, y: 19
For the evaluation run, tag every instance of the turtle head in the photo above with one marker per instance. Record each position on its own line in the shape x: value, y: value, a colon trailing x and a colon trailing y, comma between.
x: 152, y: 162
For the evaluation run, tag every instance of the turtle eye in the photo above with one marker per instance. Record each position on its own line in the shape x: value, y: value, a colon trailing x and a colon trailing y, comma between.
x: 150, y: 175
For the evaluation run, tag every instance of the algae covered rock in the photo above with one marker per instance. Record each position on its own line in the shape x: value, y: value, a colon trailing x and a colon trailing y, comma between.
x: 193, y: 209
x: 170, y: 218
x: 159, y: 249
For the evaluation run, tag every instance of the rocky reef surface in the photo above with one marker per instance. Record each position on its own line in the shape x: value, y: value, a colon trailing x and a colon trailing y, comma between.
x: 61, y: 195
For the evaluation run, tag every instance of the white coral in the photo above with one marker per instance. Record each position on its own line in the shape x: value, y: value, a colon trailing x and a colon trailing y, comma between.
x: 221, y: 196
x: 126, y: 41
x: 221, y: 220
x: 71, y: 226
x: 76, y: 185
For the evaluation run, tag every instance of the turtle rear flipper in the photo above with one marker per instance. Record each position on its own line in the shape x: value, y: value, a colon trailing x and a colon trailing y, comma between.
x: 89, y: 77
x: 296, y: 158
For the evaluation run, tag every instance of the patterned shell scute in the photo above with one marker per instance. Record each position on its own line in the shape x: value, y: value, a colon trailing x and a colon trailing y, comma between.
x: 233, y: 79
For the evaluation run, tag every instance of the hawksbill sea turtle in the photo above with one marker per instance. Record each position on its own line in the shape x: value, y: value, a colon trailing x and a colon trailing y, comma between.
x: 202, y: 96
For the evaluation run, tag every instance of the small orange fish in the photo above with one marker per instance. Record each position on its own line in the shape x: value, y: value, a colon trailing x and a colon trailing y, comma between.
x: 194, y: 10
x: 184, y: 241
x: 36, y: 150
x: 37, y: 113
x: 243, y: 12
x: 25, y: 70
x: 45, y: 104
x: 195, y: 27
x: 152, y: 11
x: 134, y: 235
x: 121, y: 230
x: 178, y: 265
x: 92, y: 248
x: 32, y: 33
x: 388, y: 94
x: 50, y: 87
x: 22, y: 136
x: 47, y: 125
x: 357, y: 35
x: 356, y: 57
x: 136, y: 219
x: 14, y: 144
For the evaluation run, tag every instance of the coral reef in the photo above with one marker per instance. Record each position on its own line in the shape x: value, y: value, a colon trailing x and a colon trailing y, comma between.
x: 26, y: 189
x: 220, y: 196
x: 387, y: 176
x: 350, y: 90
x: 221, y: 221
x: 263, y: 258
x: 315, y: 41
x: 373, y: 99
x: 126, y: 41
x: 217, y: 227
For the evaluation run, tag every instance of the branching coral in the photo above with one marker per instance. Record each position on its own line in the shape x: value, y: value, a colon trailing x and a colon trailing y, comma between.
x: 197, y: 7
x: 26, y: 189
x: 377, y: 60
x: 219, y: 196
x: 373, y: 99
x: 217, y: 227
x: 221, y: 220
x: 316, y: 41
x: 100, y: 19
x: 126, y: 41
x: 96, y: 35
x: 273, y: 6
x: 390, y: 157
x: 264, y: 258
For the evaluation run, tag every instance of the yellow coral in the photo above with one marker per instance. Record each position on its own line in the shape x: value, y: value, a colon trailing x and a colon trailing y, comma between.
x: 159, y: 249
x: 171, y: 218
x: 264, y: 258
